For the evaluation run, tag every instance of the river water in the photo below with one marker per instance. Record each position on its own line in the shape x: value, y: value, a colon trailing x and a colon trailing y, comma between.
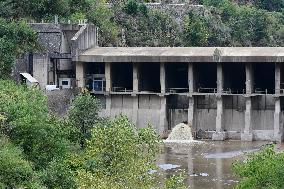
x: 209, y: 164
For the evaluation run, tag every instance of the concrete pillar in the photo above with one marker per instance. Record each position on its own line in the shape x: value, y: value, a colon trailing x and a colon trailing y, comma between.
x: 108, y: 106
x: 135, y: 78
x: 249, y: 79
x: 80, y: 73
x: 220, y: 78
x: 108, y: 76
x: 278, y: 130
x: 163, y: 125
x: 135, y: 110
x: 190, y: 111
x: 162, y: 77
x: 277, y: 78
x: 247, y: 134
x: 190, y: 78
x: 219, y: 134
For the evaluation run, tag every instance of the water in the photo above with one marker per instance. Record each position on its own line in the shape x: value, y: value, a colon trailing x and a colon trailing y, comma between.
x: 208, y: 164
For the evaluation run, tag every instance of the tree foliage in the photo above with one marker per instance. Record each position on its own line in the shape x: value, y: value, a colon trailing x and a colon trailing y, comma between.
x: 83, y: 115
x: 16, y: 38
x: 263, y: 170
x: 15, y: 171
x: 120, y: 156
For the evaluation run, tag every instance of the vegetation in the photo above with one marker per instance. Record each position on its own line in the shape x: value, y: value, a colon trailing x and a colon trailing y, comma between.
x: 263, y: 170
x: 39, y: 150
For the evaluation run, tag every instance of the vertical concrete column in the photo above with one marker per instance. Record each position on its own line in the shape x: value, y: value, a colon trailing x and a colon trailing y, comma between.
x: 80, y: 74
x: 247, y: 134
x: 163, y: 125
x: 108, y: 105
x: 219, y: 134
x: 190, y: 113
x: 162, y: 77
x: 277, y: 121
x: 277, y: 78
x: 249, y: 79
x: 108, y: 76
x: 190, y: 78
x: 135, y: 110
x: 220, y: 78
x: 135, y: 78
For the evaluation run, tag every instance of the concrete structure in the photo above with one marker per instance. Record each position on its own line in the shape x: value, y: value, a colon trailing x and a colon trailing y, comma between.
x: 226, y: 93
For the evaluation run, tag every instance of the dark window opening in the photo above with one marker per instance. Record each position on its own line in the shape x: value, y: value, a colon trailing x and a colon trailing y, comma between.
x: 176, y: 77
x: 264, y: 78
x: 122, y: 77
x: 95, y: 76
x: 234, y: 78
x: 205, y: 77
x: 177, y: 102
x: 149, y: 77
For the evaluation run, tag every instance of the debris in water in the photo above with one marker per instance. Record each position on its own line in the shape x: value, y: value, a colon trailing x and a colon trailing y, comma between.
x: 168, y: 166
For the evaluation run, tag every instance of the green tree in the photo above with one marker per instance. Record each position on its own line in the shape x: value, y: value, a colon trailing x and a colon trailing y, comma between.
x: 263, y: 170
x: 83, y: 115
x: 102, y: 16
x: 118, y: 155
x: 15, y: 171
x: 16, y: 38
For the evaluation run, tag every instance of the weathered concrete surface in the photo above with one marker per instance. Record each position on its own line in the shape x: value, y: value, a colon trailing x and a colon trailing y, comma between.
x: 182, y: 54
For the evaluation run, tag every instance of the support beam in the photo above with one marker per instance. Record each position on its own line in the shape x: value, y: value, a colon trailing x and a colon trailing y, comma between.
x: 163, y: 125
x: 135, y: 110
x: 219, y: 134
x: 220, y: 78
x: 162, y: 77
x: 190, y: 113
x: 108, y: 106
x: 108, y: 76
x: 277, y: 78
x: 249, y: 79
x: 135, y: 78
x: 190, y: 78
x: 278, y: 130
x: 80, y: 79
x: 247, y: 134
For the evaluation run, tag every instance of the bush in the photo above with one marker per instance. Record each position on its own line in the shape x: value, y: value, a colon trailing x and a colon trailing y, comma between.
x: 15, y: 171
x: 83, y: 115
x: 120, y: 156
x: 262, y: 170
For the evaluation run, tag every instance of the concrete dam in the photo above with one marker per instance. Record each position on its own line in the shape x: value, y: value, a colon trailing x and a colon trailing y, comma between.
x: 225, y: 93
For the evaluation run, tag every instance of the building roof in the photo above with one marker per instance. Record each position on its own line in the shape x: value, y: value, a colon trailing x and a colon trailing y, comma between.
x: 182, y: 54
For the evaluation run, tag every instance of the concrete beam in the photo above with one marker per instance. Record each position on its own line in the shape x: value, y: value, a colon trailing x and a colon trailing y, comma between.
x: 247, y: 134
x: 162, y: 77
x: 108, y: 76
x: 80, y: 74
x: 219, y: 134
x: 190, y: 78
x: 249, y: 79
x: 220, y: 78
x: 277, y: 78
x: 135, y: 78
x: 278, y: 130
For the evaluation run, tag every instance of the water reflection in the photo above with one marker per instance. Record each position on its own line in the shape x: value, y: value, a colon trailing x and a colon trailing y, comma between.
x: 208, y: 165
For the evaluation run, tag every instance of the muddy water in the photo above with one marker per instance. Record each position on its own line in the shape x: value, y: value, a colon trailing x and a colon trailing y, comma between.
x: 208, y: 165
